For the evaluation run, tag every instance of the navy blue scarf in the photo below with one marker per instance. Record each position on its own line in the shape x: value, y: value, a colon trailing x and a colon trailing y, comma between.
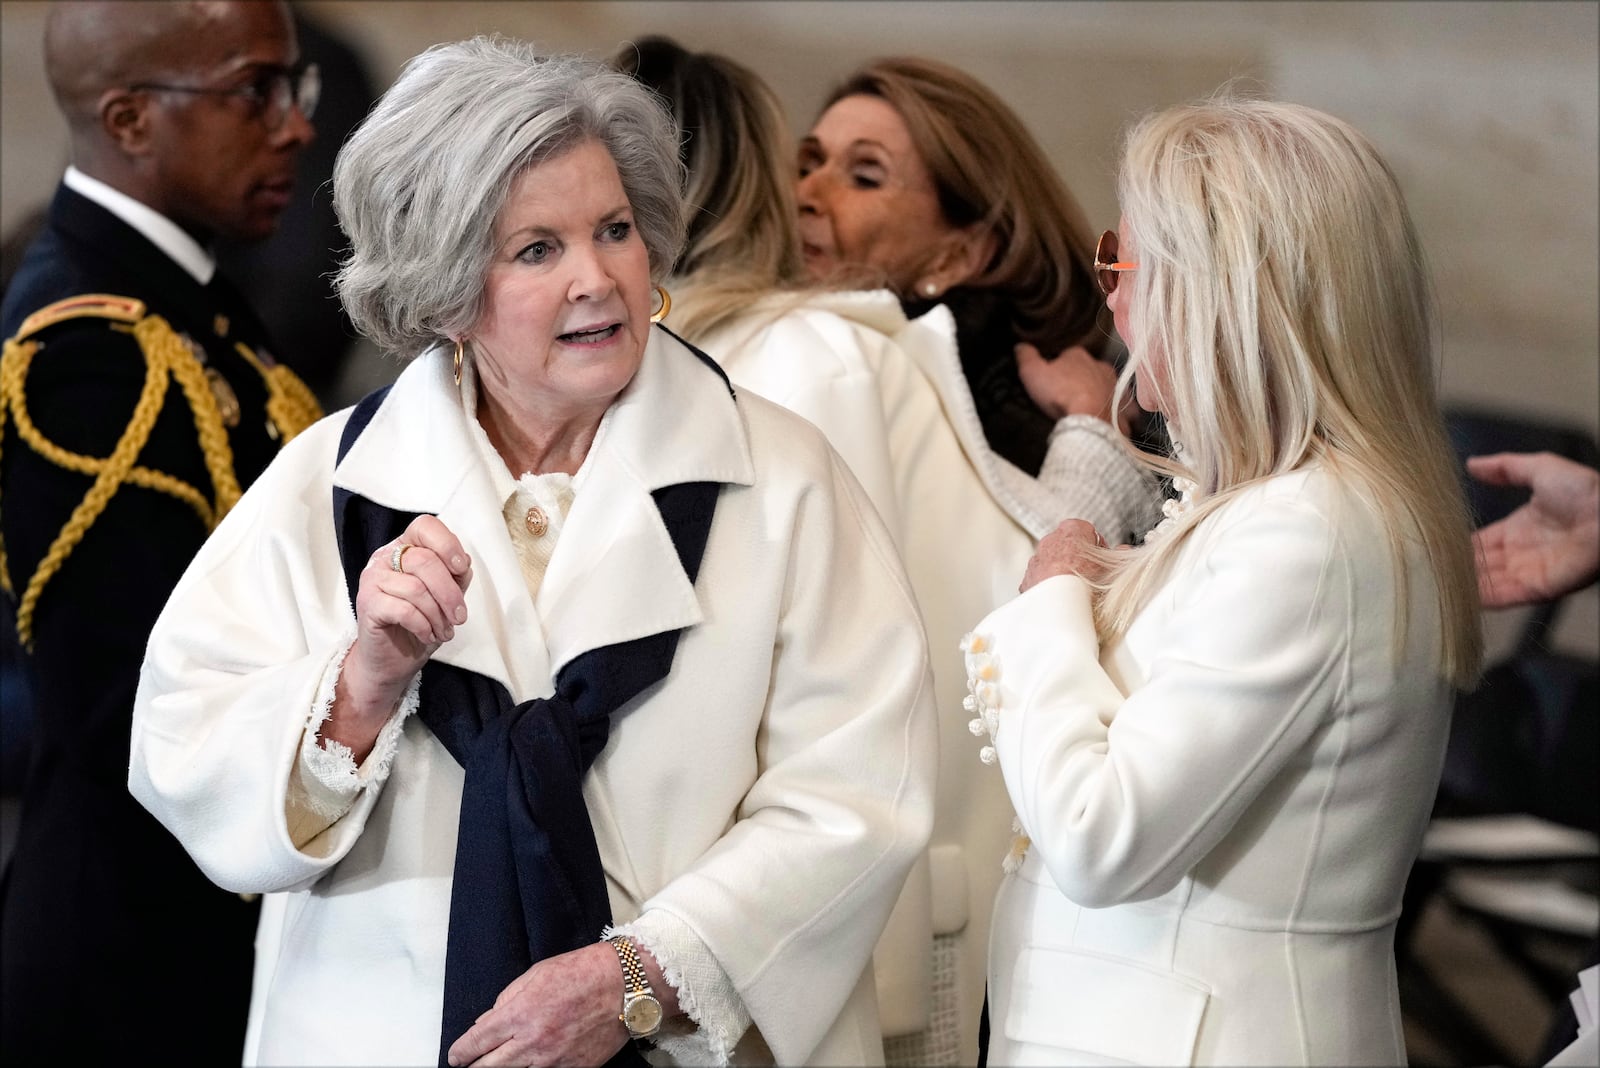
x: 528, y: 880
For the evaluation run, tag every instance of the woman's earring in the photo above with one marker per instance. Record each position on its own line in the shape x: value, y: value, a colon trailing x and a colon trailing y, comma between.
x: 459, y: 347
x: 666, y: 305
x: 930, y: 289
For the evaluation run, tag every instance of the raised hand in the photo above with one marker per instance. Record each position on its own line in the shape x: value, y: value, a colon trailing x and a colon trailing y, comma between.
x: 410, y: 601
x: 1548, y: 547
x: 1074, y: 383
x: 1063, y: 552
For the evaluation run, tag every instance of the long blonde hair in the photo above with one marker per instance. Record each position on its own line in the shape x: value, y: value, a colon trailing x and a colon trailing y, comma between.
x: 743, y: 242
x: 1281, y: 282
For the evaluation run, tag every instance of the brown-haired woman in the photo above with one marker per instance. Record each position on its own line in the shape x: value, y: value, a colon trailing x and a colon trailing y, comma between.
x: 917, y: 177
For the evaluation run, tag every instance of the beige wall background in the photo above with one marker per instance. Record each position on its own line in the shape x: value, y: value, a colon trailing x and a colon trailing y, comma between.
x: 1489, y: 113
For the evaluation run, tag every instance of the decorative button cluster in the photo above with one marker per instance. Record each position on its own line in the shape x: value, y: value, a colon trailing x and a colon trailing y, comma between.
x: 1173, y: 509
x: 983, y: 700
x: 983, y: 695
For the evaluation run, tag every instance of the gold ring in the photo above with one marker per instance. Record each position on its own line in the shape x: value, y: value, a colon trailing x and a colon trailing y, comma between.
x: 396, y: 555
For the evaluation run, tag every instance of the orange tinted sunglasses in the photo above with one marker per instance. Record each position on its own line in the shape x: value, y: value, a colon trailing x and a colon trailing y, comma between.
x: 1106, y: 265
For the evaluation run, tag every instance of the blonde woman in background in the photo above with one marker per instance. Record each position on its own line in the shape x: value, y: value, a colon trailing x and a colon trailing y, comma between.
x: 1223, y: 746
x: 888, y: 393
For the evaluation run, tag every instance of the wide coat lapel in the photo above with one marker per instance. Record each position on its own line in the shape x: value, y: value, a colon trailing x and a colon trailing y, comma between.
x: 615, y: 574
x: 930, y: 339
x: 416, y: 456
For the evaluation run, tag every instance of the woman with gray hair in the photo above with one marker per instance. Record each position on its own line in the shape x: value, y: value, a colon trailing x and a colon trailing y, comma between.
x: 527, y: 689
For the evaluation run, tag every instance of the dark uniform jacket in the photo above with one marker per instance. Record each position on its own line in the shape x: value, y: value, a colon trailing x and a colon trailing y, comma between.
x: 113, y: 946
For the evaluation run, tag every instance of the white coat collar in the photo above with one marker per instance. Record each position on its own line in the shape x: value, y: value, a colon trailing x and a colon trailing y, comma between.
x: 930, y: 341
x: 615, y: 574
x: 875, y: 309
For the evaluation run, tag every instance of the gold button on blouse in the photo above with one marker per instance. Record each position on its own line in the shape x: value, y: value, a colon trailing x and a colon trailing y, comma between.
x: 537, y: 522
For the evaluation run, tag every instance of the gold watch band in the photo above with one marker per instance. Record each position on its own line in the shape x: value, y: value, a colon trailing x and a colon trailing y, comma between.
x: 633, y: 973
x: 641, y: 1010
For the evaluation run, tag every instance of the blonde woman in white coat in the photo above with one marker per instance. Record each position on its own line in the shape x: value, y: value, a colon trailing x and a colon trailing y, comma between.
x: 531, y: 691
x: 1223, y: 745
x: 889, y: 393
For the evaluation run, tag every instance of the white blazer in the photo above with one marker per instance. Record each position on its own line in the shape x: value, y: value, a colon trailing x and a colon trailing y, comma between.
x: 1224, y: 805
x: 891, y: 397
x: 770, y: 794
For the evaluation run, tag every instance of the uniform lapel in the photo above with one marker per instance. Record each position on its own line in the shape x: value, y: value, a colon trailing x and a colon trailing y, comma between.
x: 127, y: 263
x: 127, y: 254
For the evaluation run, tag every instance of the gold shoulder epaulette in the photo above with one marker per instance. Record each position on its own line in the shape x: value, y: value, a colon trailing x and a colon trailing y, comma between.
x: 100, y: 305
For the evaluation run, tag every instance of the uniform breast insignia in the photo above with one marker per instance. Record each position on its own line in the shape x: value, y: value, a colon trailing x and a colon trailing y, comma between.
x: 195, y: 348
x: 220, y: 325
x: 291, y: 406
x: 227, y: 399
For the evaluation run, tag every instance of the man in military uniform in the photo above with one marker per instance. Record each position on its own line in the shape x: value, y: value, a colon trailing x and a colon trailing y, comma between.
x: 137, y: 397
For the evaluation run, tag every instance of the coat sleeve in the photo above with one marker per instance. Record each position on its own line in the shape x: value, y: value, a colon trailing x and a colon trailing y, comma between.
x: 232, y: 672
x: 1091, y: 475
x: 793, y: 897
x: 1123, y: 794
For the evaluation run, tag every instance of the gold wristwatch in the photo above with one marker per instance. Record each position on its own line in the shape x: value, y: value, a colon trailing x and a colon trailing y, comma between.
x: 641, y: 1012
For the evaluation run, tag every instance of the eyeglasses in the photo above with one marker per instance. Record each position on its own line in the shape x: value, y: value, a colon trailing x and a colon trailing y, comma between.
x: 1106, y: 265
x: 273, y: 92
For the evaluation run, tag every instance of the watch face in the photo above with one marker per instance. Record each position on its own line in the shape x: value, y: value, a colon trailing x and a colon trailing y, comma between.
x: 642, y: 1015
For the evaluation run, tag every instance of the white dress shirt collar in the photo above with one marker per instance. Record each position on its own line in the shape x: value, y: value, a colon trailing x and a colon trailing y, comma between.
x: 161, y: 231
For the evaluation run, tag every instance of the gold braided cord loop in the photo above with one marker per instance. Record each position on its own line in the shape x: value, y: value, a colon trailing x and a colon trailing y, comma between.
x: 112, y: 472
x: 161, y: 343
x: 16, y: 402
x: 166, y: 356
x: 8, y: 371
x: 290, y: 403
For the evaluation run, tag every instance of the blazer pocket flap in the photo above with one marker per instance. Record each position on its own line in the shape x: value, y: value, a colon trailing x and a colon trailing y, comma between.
x: 1104, y: 1006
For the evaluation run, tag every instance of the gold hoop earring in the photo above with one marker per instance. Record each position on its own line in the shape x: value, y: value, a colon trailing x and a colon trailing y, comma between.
x: 459, y: 347
x: 666, y: 305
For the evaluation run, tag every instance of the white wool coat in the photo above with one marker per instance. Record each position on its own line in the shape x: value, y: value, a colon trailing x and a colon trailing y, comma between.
x: 770, y: 794
x: 1222, y: 806
x: 891, y: 397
